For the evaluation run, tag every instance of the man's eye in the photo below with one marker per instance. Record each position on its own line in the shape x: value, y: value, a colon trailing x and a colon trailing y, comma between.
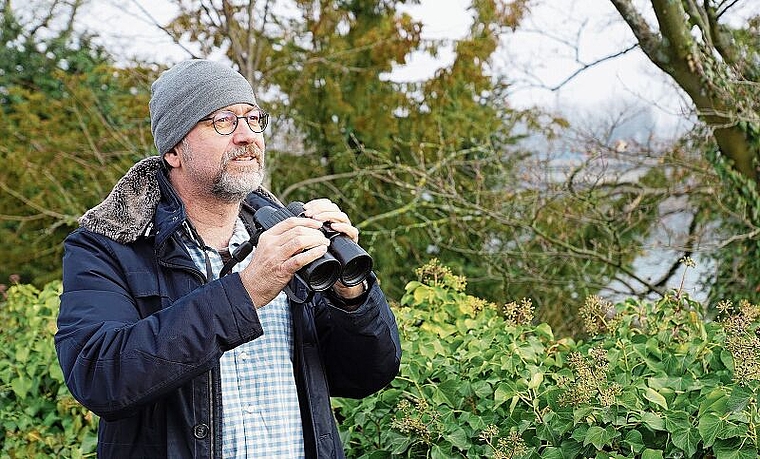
x: 225, y: 119
x: 254, y: 117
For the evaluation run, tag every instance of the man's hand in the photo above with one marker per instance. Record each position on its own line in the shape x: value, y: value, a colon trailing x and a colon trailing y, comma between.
x: 325, y: 210
x: 282, y: 250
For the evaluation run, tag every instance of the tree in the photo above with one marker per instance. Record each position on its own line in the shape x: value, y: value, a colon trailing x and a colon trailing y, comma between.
x: 714, y: 63
x: 717, y: 64
x: 71, y: 125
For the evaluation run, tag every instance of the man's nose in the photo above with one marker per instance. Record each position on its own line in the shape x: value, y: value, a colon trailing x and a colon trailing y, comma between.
x: 243, y: 135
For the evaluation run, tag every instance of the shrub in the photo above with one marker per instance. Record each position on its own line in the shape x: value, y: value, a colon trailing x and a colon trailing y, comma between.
x: 654, y: 380
x: 39, y: 417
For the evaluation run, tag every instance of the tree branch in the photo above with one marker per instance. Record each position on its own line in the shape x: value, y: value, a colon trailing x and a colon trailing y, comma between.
x: 592, y: 64
x: 168, y: 32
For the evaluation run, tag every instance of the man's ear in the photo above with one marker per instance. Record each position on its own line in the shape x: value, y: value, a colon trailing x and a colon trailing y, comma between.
x: 173, y: 156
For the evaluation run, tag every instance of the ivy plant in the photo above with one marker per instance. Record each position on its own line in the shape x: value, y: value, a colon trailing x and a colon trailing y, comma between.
x: 38, y: 415
x: 651, y: 379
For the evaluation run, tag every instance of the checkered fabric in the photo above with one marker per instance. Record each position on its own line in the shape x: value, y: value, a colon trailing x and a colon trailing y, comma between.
x: 261, y: 416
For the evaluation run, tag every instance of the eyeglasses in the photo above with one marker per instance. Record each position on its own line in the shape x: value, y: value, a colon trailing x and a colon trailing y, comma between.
x: 225, y: 122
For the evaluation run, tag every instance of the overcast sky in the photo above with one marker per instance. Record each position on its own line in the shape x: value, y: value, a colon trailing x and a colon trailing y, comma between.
x: 537, y: 58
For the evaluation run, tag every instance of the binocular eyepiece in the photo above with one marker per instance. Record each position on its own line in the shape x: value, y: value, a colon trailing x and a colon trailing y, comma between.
x: 344, y: 260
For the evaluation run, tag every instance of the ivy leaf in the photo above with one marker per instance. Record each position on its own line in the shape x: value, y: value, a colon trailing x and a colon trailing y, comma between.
x: 653, y: 420
x: 686, y: 439
x: 715, y: 401
x: 504, y: 391
x: 597, y: 436
x: 552, y: 452
x: 655, y: 397
x: 459, y: 438
x: 536, y: 380
x: 635, y: 440
x: 739, y: 398
x: 22, y: 354
x: 652, y: 454
x: 436, y: 452
x: 709, y: 426
x: 21, y: 386
x: 734, y: 449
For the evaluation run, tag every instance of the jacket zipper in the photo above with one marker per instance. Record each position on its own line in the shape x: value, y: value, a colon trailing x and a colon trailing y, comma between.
x: 211, y: 412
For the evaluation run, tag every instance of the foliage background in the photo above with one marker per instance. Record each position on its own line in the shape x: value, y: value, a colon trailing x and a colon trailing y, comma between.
x: 442, y: 167
x: 648, y: 380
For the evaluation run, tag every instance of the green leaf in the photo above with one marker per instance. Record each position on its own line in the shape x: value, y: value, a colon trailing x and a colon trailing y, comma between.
x: 686, y: 439
x: 459, y: 438
x: 22, y: 354
x: 536, y: 380
x: 739, y: 398
x: 504, y: 391
x: 734, y: 449
x: 21, y: 386
x: 421, y: 295
x: 709, y: 426
x: 552, y: 452
x: 598, y: 437
x: 634, y: 440
x: 653, y: 420
x: 446, y: 393
x: 655, y: 397
x: 399, y: 443
x: 715, y: 401
x: 731, y: 430
x: 436, y: 452
x: 652, y: 454
x: 727, y: 359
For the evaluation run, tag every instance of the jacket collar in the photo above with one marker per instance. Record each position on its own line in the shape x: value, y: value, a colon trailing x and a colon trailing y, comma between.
x: 128, y: 209
x: 143, y: 202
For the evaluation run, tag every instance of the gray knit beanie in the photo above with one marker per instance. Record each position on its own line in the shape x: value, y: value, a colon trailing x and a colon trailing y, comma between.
x: 187, y: 93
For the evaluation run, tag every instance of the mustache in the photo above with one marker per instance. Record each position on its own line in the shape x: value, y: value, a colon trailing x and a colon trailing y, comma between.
x: 245, y: 150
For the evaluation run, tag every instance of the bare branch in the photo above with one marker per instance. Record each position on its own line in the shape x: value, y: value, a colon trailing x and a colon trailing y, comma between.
x: 585, y: 67
x: 168, y: 32
x: 724, y: 6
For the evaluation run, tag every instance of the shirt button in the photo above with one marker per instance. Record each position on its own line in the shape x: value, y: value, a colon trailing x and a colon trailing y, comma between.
x: 243, y: 356
x: 250, y: 409
x: 200, y: 431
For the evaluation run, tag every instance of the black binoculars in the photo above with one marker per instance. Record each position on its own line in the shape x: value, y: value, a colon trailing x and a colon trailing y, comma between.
x: 344, y: 260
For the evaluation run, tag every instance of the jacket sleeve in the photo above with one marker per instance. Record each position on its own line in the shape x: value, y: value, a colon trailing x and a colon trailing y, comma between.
x: 360, y: 348
x: 116, y: 359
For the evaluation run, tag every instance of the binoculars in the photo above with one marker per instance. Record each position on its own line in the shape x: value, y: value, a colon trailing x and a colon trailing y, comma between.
x: 344, y: 260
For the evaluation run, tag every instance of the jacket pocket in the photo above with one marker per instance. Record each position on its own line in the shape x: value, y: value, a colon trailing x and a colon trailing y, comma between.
x: 144, y: 288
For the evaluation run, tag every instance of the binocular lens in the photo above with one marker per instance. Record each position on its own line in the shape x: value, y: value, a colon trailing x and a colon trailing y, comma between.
x: 356, y: 263
x: 322, y: 273
x: 356, y: 270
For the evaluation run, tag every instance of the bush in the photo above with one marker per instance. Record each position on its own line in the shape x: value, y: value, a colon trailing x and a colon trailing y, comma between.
x: 655, y: 380
x: 39, y: 417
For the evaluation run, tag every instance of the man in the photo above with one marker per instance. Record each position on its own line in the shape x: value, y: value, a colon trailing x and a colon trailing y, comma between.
x: 179, y: 362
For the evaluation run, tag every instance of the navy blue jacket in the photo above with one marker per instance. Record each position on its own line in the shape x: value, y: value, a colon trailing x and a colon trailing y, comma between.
x: 140, y: 334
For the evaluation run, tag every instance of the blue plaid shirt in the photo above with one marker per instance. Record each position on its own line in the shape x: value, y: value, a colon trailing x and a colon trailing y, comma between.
x: 261, y: 416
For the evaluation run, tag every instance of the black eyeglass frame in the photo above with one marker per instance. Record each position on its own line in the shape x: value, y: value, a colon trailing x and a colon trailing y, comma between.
x: 263, y: 121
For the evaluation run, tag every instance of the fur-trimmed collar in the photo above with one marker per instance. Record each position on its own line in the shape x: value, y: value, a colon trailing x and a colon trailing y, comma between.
x: 128, y: 211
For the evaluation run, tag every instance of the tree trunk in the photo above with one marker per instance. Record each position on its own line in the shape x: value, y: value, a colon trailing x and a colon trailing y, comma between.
x: 707, y: 80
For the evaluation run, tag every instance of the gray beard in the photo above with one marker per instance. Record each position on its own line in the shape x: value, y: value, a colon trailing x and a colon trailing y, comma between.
x: 234, y: 189
x: 225, y: 186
